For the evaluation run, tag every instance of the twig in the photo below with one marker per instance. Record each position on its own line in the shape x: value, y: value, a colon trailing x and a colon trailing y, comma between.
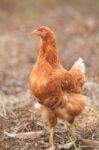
x: 25, y: 135
x: 67, y: 146
x: 91, y: 143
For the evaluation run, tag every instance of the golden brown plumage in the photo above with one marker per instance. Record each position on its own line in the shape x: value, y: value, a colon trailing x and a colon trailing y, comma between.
x: 56, y: 89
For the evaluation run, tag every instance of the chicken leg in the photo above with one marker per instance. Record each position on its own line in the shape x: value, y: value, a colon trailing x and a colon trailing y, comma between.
x: 51, y: 139
x: 50, y: 116
x: 73, y: 131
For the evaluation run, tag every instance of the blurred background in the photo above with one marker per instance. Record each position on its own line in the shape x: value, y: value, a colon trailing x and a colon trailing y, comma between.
x: 76, y: 25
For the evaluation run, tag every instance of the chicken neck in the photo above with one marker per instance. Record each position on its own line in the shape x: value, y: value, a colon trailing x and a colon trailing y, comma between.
x: 48, y: 52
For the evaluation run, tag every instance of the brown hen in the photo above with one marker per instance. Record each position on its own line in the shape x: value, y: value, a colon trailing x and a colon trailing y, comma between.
x: 56, y: 89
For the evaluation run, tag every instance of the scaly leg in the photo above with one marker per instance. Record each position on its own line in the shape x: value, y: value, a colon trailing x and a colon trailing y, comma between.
x: 73, y: 131
x: 51, y: 139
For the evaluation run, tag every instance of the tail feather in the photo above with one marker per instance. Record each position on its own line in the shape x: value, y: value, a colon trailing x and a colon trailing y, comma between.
x: 37, y: 106
x: 79, y: 64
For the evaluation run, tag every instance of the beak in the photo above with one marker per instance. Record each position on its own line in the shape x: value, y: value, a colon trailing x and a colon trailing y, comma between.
x: 35, y: 32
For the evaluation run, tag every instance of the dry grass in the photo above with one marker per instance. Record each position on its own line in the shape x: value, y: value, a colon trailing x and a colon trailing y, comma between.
x: 22, y: 118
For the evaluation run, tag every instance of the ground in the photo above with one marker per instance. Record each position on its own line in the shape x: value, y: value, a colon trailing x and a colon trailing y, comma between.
x: 76, y: 25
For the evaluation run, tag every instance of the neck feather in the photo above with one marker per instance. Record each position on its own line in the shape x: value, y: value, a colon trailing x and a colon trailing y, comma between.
x: 48, y: 52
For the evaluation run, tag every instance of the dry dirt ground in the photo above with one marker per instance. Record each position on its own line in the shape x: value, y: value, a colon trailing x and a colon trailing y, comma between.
x: 76, y: 24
